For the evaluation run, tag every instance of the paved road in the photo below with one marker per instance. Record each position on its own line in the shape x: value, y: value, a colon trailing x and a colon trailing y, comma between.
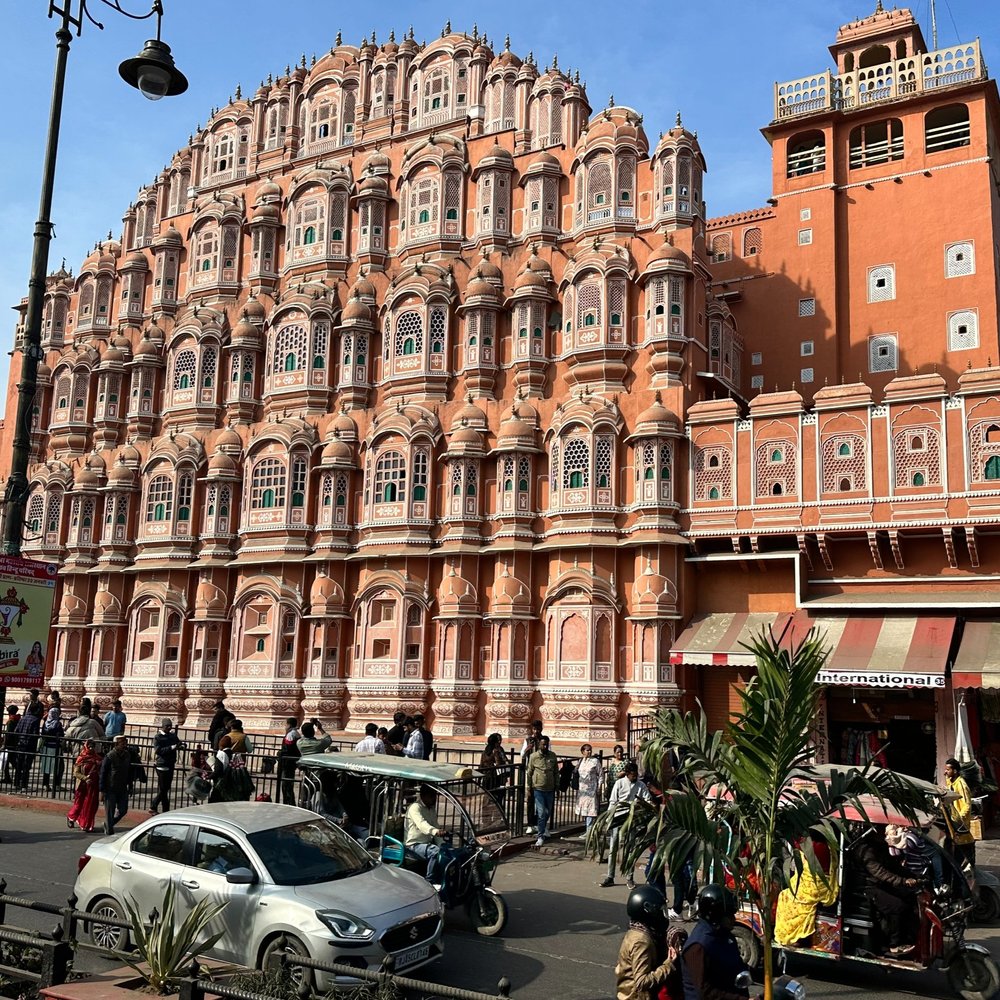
x: 560, y: 943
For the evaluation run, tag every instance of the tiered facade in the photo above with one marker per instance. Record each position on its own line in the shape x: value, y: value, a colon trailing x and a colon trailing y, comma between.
x: 413, y: 381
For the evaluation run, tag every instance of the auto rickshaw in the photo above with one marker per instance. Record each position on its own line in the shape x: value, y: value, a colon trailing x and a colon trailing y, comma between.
x: 849, y: 930
x: 369, y: 794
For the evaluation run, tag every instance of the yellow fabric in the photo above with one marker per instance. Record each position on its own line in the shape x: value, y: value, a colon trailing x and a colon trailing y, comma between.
x: 796, y: 915
x: 960, y: 810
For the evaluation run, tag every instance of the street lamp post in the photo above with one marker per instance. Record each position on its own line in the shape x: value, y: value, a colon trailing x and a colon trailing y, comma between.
x: 153, y: 73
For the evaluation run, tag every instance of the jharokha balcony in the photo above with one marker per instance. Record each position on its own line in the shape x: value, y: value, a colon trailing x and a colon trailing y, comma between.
x: 859, y: 88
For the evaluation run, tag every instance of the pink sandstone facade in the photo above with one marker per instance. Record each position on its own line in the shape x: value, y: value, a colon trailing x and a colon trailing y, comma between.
x: 414, y: 381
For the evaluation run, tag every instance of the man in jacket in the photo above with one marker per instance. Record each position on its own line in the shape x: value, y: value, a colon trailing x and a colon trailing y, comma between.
x: 165, y: 747
x: 26, y: 734
x: 82, y: 727
x: 114, y: 783
x: 309, y: 742
x: 889, y: 890
x: 644, y: 964
x: 541, y: 778
x: 624, y: 792
x: 288, y: 754
x: 218, y: 724
x: 9, y: 741
x: 711, y: 958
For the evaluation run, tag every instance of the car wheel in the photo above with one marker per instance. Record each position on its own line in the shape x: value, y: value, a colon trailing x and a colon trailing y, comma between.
x: 107, y: 936
x: 750, y: 948
x: 488, y: 912
x: 286, y: 944
x: 986, y: 907
x: 973, y: 976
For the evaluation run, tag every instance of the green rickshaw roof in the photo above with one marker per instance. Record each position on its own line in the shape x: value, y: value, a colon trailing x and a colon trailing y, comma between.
x: 426, y: 771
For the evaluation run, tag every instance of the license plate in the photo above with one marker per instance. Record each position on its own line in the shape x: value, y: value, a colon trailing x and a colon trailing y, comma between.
x: 411, y: 957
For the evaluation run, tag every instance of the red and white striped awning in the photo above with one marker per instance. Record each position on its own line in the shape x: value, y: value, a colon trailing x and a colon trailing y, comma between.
x: 978, y: 662
x: 718, y: 640
x: 889, y: 652
x: 865, y: 650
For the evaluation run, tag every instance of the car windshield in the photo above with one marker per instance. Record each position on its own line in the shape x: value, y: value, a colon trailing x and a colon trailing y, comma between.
x: 309, y: 852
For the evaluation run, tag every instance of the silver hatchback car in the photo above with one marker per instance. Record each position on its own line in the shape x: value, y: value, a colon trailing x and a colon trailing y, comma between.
x: 283, y: 871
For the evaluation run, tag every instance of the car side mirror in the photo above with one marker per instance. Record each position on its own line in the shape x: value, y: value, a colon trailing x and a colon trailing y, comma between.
x: 744, y: 980
x: 240, y: 876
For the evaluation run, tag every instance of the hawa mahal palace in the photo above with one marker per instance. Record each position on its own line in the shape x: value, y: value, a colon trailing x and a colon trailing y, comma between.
x: 415, y: 381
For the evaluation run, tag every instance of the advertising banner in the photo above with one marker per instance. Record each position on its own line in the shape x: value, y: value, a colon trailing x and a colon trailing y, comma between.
x: 27, y: 590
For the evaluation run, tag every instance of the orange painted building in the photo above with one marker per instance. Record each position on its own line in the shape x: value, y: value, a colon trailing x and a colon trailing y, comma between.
x: 414, y: 381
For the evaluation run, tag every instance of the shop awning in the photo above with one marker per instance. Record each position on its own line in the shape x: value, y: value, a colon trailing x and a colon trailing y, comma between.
x: 978, y: 662
x: 888, y: 652
x: 865, y: 650
x: 717, y: 640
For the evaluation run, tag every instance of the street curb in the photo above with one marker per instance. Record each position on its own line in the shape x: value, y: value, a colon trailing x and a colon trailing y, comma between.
x: 133, y: 816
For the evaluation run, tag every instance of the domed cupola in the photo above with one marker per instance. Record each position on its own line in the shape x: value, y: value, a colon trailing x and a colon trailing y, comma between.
x: 678, y: 172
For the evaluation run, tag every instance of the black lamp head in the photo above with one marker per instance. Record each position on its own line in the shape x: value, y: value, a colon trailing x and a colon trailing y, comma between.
x: 153, y: 72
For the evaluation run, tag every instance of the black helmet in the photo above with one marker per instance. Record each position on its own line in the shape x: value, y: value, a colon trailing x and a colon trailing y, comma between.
x: 715, y: 903
x: 646, y: 905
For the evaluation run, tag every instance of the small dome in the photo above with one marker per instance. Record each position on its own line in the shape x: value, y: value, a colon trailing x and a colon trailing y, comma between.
x: 510, y: 595
x: 375, y: 161
x: 480, y: 288
x: 221, y: 462
x: 325, y: 594
x: 210, y: 599
x: 147, y: 348
x: 106, y: 605
x: 523, y: 409
x: 488, y: 270
x: 337, y: 451
x: 245, y: 332
x: 457, y: 594
x: 268, y: 190
x: 515, y: 431
x: 668, y: 252
x: 653, y: 589
x: 470, y: 415
x: 86, y: 478
x: 229, y: 440
x: 373, y: 186
x: 345, y: 426
x: 656, y: 416
x: 43, y: 371
x: 136, y: 260
x: 121, y: 475
x: 123, y: 344
x: 154, y: 332
x: 530, y: 279
x: 266, y: 212
x: 130, y: 456
x: 465, y: 438
x: 253, y: 310
x: 356, y: 311
x: 170, y: 237
x: 363, y: 288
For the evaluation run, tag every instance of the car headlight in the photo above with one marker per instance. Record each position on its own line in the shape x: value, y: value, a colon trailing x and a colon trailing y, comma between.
x: 346, y: 926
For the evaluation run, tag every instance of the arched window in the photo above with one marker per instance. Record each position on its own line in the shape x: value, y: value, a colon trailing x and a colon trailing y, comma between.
x: 713, y: 493
x: 844, y: 450
x: 946, y: 128
x: 390, y: 478
x: 576, y: 464
x: 290, y: 349
x: 777, y: 456
x: 420, y: 466
x: 299, y: 473
x: 992, y: 468
x: 918, y: 479
x: 309, y: 236
x: 160, y: 499
x: 806, y: 154
x: 409, y: 334
x: 267, y: 484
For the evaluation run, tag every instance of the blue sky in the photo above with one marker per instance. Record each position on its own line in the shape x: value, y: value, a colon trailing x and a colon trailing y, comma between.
x: 715, y: 60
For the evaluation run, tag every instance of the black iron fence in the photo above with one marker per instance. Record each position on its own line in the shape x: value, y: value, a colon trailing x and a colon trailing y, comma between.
x: 638, y: 729
x: 48, y: 773
x: 46, y: 959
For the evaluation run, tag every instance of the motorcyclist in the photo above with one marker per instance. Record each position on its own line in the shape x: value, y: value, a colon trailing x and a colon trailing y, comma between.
x: 711, y: 957
x: 644, y: 963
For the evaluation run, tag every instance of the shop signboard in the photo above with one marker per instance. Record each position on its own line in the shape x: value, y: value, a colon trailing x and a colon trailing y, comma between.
x: 27, y: 591
x: 882, y: 678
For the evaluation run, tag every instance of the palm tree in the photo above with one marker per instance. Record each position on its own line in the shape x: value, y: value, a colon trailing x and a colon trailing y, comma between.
x: 740, y: 809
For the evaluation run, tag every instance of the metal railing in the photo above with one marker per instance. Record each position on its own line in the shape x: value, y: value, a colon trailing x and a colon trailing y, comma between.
x: 50, y: 776
x: 48, y: 959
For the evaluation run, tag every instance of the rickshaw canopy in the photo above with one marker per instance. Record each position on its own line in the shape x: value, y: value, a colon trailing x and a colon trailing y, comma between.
x: 385, y: 766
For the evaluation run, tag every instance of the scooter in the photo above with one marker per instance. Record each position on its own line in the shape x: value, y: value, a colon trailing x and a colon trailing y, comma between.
x: 466, y: 872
